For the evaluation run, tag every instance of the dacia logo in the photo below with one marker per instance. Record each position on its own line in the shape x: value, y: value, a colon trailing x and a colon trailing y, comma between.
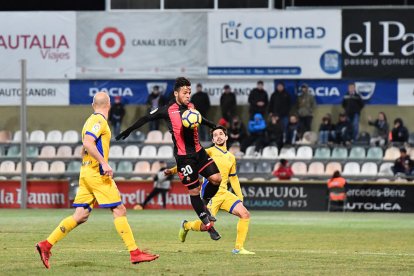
x: 365, y: 89
x: 230, y: 32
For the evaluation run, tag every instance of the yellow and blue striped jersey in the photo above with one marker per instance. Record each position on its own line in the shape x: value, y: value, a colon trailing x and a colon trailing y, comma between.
x: 97, y: 127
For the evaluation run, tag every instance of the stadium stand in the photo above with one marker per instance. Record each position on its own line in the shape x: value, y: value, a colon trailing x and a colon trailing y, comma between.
x: 154, y: 137
x: 54, y: 136
x: 270, y: 152
x: 37, y: 136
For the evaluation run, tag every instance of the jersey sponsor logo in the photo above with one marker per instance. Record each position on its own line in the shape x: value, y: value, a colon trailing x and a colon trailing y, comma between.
x: 173, y: 112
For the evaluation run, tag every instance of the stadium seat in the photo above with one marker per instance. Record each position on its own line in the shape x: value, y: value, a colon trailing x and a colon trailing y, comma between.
x: 65, y: 152
x: 386, y: 169
x: 136, y: 178
x: 136, y: 136
x: 40, y: 167
x: 5, y: 136
x: 131, y: 151
x: 264, y: 168
x: 112, y: 164
x: 351, y: 169
x: 37, y: 136
x: 270, y: 152
x: 57, y: 167
x: 125, y: 167
x: 54, y: 136
x: 28, y: 167
x: 165, y: 152
x: 331, y: 167
x: 339, y: 153
x: 322, y: 153
x: 77, y: 152
x: 154, y: 137
x: 369, y: 169
x: 304, y: 152
x: 392, y: 153
x: 309, y: 138
x: 116, y: 152
x: 243, y: 179
x: 287, y: 153
x: 148, y: 152
x: 3, y: 177
x: 7, y: 167
x: 401, y: 180
x: 251, y: 152
x: 167, y: 139
x: 299, y: 168
x: 74, y: 167
x: 375, y: 153
x: 357, y: 153
x: 32, y: 151
x: 316, y: 168
x: 363, y: 139
x: 142, y: 167
x: 383, y: 180
x: 17, y: 137
x: 71, y: 136
x: 155, y: 167
x: 258, y: 179
x: 13, y: 151
x: 246, y: 167
x: 48, y: 152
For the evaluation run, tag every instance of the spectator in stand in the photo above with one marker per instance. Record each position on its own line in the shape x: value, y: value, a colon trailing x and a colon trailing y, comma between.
x: 237, y: 132
x: 381, y: 131
x: 399, y: 133
x: 201, y: 102
x: 257, y: 130
x: 258, y: 100
x: 326, y: 130
x: 404, y: 164
x: 353, y: 104
x: 155, y: 101
x: 294, y: 131
x: 280, y: 104
x: 283, y: 171
x: 343, y: 131
x: 228, y: 103
x: 116, y: 115
x: 305, y: 106
x: 275, y: 132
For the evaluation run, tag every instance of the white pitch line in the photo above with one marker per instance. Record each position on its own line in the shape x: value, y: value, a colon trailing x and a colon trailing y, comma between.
x: 335, y: 252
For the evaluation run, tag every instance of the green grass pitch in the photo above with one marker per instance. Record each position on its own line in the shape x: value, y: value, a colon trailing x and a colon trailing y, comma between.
x: 286, y: 243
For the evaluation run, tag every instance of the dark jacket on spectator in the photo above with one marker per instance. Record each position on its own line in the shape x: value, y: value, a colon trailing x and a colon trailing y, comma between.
x: 401, y: 163
x: 294, y: 133
x: 381, y: 128
x: 228, y: 105
x: 116, y: 113
x: 400, y: 134
x: 201, y: 102
x: 275, y: 133
x: 280, y: 103
x: 343, y: 132
x: 237, y: 132
x: 256, y: 96
x: 352, y: 104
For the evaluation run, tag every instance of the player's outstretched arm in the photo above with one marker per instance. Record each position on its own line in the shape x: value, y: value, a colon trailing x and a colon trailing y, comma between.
x: 208, y: 123
x: 154, y: 115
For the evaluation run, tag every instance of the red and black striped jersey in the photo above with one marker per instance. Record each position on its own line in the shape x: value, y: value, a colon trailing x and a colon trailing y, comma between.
x: 185, y: 140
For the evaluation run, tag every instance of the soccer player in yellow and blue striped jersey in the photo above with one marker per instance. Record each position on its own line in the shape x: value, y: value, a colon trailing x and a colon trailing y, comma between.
x: 224, y: 199
x: 96, y: 186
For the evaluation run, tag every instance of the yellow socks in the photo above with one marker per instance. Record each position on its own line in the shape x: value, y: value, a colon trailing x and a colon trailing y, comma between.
x: 65, y: 226
x: 193, y: 225
x: 124, y: 230
x: 242, y: 229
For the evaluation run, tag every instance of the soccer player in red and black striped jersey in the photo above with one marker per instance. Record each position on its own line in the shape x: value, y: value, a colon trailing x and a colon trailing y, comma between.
x: 190, y: 156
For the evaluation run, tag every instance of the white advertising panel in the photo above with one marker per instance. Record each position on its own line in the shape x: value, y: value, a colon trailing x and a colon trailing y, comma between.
x: 290, y: 44
x: 141, y: 45
x: 38, y: 93
x: 47, y: 40
x: 406, y: 92
x: 242, y: 88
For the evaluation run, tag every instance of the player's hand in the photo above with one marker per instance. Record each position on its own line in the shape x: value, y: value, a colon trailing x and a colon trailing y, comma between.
x: 107, y: 169
x: 123, y: 135
x: 168, y: 172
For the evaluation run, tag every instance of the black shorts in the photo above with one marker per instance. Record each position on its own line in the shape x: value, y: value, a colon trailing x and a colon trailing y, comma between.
x: 190, y: 167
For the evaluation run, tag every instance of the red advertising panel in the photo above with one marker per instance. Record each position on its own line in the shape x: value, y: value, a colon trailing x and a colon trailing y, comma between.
x: 40, y: 194
x: 133, y: 193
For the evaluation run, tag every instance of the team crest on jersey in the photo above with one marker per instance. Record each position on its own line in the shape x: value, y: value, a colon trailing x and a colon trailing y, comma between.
x: 96, y: 127
x: 188, y: 178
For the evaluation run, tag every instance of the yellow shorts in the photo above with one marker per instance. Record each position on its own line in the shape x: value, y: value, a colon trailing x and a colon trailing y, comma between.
x: 101, y: 189
x: 224, y: 201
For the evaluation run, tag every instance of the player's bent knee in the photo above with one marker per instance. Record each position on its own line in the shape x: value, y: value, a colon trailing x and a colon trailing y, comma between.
x: 195, y: 191
x: 119, y: 211
x: 245, y: 214
x: 81, y: 215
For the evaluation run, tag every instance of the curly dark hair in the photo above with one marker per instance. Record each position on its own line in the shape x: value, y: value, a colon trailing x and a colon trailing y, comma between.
x: 180, y: 82
x: 218, y: 127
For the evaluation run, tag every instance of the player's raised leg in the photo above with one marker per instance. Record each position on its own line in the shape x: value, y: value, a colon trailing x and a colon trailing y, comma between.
x: 125, y: 232
x: 239, y: 210
x: 65, y: 226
